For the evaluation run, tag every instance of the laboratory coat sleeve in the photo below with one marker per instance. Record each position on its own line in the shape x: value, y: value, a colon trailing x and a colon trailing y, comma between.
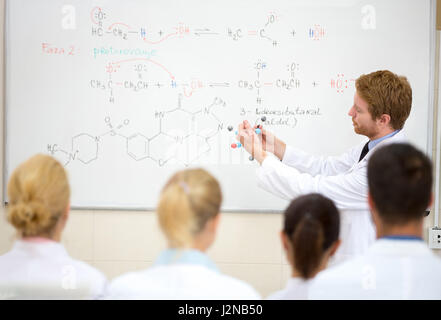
x: 347, y: 190
x: 314, y: 165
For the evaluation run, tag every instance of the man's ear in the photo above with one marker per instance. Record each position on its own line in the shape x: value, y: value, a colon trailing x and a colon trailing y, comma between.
x: 334, y: 247
x: 284, y: 240
x: 371, y: 202
x: 431, y: 200
x: 373, y: 209
x: 67, y: 212
x: 215, y: 223
x: 64, y: 217
x: 384, y: 120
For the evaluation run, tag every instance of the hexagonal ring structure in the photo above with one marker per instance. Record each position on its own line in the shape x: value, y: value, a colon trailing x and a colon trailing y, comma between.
x: 138, y: 146
x: 85, y: 147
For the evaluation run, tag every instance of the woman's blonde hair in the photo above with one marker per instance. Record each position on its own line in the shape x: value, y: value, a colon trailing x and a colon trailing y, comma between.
x: 38, y: 192
x: 188, y: 201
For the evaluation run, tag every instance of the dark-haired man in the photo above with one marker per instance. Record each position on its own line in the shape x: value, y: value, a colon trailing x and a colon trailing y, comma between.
x: 399, y: 265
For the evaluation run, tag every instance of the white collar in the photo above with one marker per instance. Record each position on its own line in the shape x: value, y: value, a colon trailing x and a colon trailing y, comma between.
x: 46, y: 248
x: 399, y: 248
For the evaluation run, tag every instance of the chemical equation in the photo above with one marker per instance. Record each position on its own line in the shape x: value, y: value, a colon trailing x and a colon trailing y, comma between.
x: 136, y: 79
x: 104, y: 26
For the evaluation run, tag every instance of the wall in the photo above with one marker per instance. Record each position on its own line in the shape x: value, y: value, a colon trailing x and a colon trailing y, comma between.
x: 117, y: 241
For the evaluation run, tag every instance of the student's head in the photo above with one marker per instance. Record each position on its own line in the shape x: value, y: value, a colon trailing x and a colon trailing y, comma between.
x: 310, y: 233
x: 38, y: 192
x: 400, y: 185
x: 188, y: 209
x: 382, y: 102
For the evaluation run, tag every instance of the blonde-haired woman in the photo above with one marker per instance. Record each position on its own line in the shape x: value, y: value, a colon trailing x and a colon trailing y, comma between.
x: 38, y: 266
x: 188, y: 214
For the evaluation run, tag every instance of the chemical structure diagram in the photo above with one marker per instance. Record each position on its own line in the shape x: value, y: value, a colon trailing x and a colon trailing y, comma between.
x: 292, y: 82
x: 238, y: 33
x: 101, y: 27
x: 185, y: 145
x: 140, y: 68
x: 124, y: 31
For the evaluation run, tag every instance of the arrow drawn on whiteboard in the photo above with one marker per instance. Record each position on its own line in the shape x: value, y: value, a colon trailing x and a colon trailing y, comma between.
x: 125, y: 25
x: 205, y: 31
x: 225, y: 84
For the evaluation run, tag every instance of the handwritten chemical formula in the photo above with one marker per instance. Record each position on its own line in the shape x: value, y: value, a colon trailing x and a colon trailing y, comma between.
x: 133, y: 60
x: 185, y: 146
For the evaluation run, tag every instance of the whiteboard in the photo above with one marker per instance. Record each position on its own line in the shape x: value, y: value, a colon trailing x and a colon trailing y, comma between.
x: 125, y: 93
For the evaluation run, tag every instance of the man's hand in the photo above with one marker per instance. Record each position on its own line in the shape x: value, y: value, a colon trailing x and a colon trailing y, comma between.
x: 251, y: 141
x: 272, y: 144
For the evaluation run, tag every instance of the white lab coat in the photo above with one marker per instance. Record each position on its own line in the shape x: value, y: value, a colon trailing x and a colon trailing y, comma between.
x: 180, y: 281
x: 391, y: 269
x: 342, y: 179
x: 44, y: 270
x: 296, y: 289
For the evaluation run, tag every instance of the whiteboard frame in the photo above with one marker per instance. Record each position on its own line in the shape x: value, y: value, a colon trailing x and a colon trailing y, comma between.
x: 3, y: 107
x: 430, y: 120
x: 432, y: 50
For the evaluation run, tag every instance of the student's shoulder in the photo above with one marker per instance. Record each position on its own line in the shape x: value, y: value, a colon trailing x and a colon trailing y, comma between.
x: 131, y: 278
x: 86, y: 270
x: 129, y: 285
x: 87, y: 277
x: 435, y: 260
x: 6, y: 259
x: 238, y: 287
x: 139, y: 280
x: 344, y: 272
x: 278, y: 295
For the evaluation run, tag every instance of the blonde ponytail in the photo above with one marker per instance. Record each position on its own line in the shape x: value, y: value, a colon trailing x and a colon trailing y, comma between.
x: 38, y: 193
x: 175, y: 216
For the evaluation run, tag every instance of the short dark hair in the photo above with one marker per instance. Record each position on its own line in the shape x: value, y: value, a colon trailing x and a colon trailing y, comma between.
x: 312, y: 223
x: 400, y: 183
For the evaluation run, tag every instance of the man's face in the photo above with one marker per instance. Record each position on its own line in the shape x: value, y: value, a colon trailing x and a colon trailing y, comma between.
x: 362, y: 119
